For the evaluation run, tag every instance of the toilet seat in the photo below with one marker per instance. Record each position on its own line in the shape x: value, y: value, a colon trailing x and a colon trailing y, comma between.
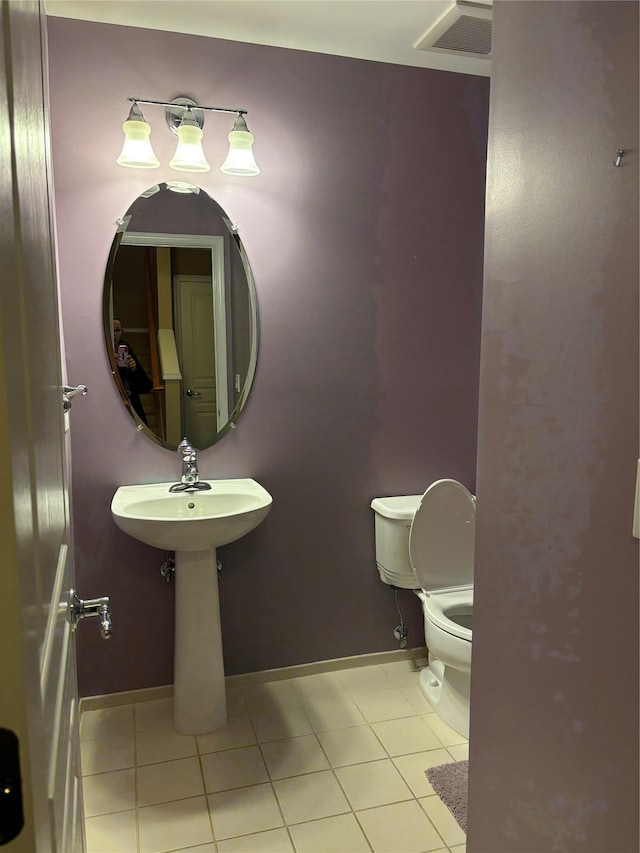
x: 442, y: 537
x: 442, y: 608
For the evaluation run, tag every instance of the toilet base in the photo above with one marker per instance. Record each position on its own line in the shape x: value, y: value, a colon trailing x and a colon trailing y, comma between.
x: 447, y: 690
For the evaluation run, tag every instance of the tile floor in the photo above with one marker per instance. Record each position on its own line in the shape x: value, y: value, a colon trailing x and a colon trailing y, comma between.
x: 329, y: 763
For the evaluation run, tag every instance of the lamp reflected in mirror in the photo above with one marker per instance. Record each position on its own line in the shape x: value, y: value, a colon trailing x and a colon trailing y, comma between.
x: 179, y: 284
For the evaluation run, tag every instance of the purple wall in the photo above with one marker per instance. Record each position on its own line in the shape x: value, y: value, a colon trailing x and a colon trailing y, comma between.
x: 365, y: 234
x: 554, y: 722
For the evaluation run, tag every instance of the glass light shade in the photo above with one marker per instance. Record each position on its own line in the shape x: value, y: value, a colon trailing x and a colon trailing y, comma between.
x: 137, y: 152
x: 189, y: 156
x: 240, y: 160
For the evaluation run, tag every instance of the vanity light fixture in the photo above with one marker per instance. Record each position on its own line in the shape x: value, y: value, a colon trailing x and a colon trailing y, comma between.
x: 240, y: 157
x: 137, y: 152
x: 189, y: 156
x: 185, y: 118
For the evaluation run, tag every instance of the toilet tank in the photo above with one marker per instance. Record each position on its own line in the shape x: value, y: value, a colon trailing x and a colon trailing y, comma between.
x: 393, y: 517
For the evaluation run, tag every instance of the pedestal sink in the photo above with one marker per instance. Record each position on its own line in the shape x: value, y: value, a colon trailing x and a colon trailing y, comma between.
x: 194, y: 524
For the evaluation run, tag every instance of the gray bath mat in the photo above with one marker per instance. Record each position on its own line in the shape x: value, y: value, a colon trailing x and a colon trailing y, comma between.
x: 450, y: 782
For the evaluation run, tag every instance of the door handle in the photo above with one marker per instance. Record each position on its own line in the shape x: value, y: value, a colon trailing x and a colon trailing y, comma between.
x: 68, y: 392
x: 191, y: 393
x: 78, y: 609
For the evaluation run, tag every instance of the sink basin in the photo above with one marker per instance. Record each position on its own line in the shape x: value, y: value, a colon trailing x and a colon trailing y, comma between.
x: 190, y: 521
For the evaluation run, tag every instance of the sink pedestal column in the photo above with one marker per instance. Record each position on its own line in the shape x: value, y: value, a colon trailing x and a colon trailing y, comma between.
x: 199, y: 700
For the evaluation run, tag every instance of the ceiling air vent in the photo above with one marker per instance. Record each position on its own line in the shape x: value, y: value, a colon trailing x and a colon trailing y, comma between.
x: 465, y: 30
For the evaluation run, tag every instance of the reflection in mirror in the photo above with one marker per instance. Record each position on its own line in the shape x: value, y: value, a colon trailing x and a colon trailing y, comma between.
x: 180, y: 316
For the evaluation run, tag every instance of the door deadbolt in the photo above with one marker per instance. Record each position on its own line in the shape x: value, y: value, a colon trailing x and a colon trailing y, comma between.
x: 79, y: 609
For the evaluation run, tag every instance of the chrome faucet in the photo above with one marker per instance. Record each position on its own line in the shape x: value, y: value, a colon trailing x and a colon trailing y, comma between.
x: 190, y: 477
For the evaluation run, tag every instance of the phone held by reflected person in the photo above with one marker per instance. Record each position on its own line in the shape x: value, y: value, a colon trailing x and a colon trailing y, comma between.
x: 123, y: 355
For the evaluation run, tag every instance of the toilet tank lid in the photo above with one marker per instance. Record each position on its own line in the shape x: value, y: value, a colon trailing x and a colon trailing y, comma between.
x: 401, y: 507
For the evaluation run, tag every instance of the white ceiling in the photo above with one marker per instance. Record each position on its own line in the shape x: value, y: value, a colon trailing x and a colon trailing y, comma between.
x: 381, y: 30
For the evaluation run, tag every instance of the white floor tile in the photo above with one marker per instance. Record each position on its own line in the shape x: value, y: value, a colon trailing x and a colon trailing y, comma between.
x: 413, y: 769
x: 106, y: 754
x: 399, y: 828
x: 272, y: 841
x: 233, y: 768
x: 273, y: 694
x: 416, y: 698
x: 363, y: 678
x: 280, y: 724
x: 106, y: 722
x: 310, y: 797
x: 339, y: 712
x: 294, y: 757
x: 325, y: 685
x: 244, y: 811
x: 155, y: 745
x: 170, y: 826
x: 402, y: 737
x: 341, y: 834
x: 371, y: 725
x: 403, y: 673
x: 445, y: 734
x: 443, y: 820
x: 235, y: 702
x: 169, y: 780
x: 388, y: 704
x: 109, y: 792
x: 157, y: 714
x: 111, y: 833
x: 460, y: 752
x: 373, y: 784
x: 351, y: 746
x: 237, y: 732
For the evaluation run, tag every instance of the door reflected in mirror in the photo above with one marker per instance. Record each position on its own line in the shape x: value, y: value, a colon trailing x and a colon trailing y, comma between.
x: 180, y: 316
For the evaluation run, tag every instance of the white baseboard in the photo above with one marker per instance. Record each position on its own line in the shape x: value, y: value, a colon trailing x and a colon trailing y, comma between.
x: 127, y: 697
x: 149, y: 694
x: 324, y: 666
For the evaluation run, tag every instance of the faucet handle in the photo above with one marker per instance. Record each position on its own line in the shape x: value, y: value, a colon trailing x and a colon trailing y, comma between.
x: 185, y: 447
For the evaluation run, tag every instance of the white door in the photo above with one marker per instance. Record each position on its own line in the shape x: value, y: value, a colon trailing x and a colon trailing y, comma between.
x: 38, y: 692
x: 197, y: 356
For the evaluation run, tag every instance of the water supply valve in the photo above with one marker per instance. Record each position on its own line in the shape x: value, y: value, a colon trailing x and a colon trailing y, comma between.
x: 401, y: 634
x: 168, y: 570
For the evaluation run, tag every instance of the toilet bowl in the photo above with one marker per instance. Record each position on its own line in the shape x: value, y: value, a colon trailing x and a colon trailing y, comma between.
x: 425, y: 543
x: 446, y: 681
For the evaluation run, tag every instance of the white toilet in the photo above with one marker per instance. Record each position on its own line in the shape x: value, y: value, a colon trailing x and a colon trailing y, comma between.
x: 425, y: 543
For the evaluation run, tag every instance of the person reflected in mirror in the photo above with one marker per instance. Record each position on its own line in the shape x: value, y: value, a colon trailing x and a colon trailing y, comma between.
x: 132, y: 374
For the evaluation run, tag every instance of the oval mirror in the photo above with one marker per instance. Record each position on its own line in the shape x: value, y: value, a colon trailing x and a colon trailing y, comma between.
x: 180, y: 316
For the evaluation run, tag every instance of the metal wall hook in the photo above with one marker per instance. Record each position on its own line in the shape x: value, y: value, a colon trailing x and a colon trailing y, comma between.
x: 620, y: 155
